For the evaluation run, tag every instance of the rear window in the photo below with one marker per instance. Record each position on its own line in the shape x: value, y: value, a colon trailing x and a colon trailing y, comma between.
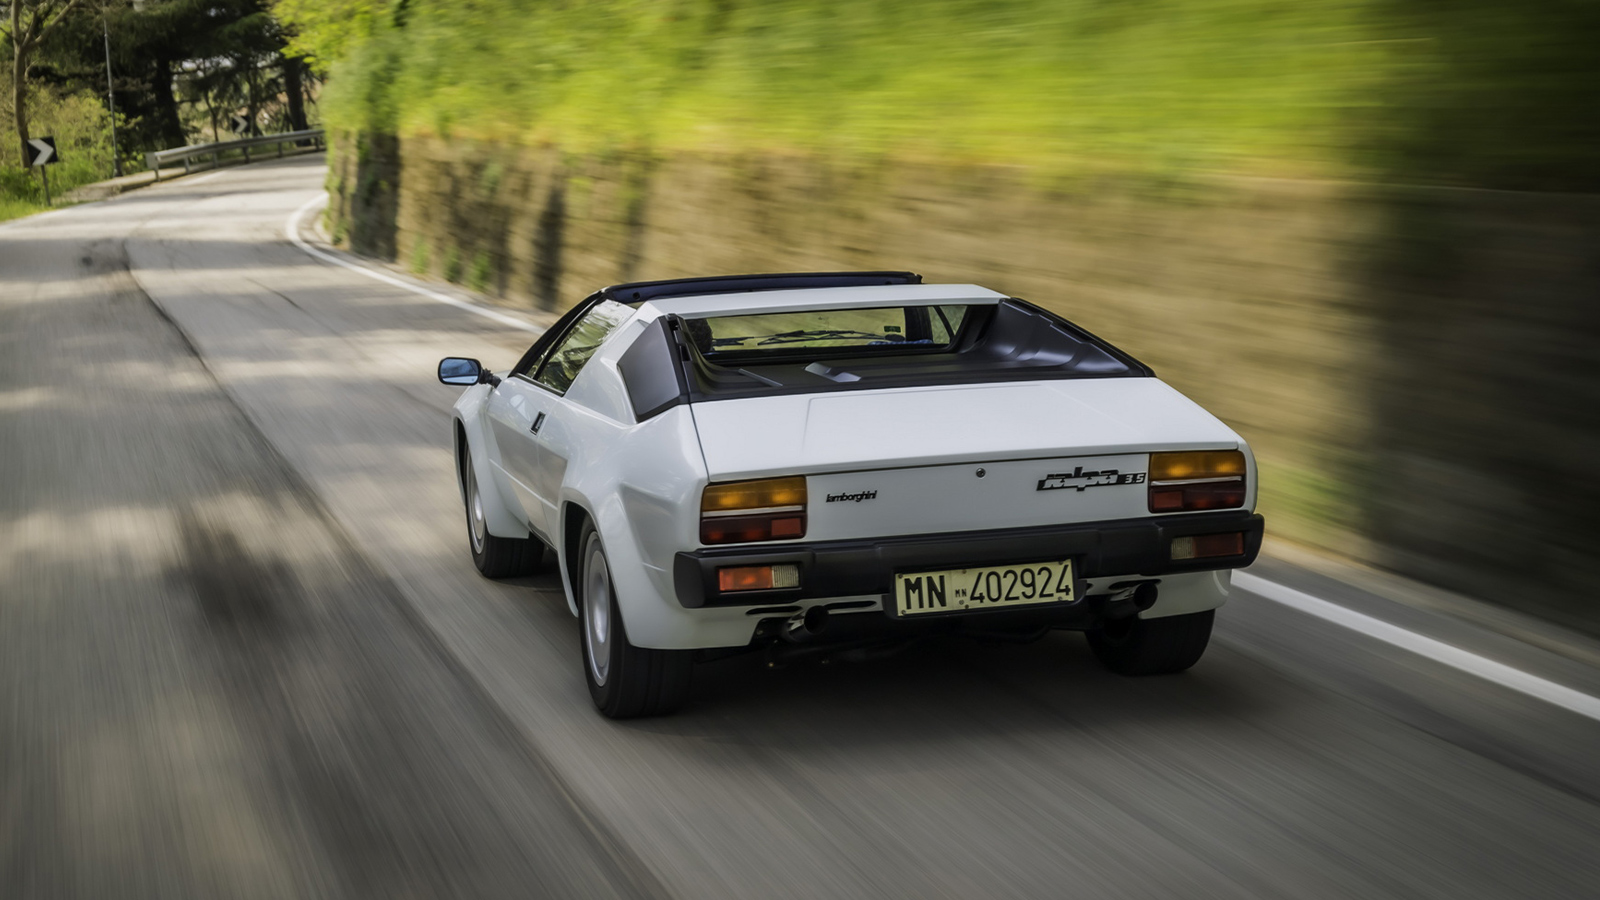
x: 771, y: 336
x: 893, y: 346
x: 678, y: 360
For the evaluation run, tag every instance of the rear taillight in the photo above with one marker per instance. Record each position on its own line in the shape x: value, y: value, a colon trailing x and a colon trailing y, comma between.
x: 1205, y: 479
x: 766, y: 509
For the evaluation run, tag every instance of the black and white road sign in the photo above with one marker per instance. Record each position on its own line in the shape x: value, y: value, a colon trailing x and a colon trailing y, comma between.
x: 41, y: 151
x: 239, y: 124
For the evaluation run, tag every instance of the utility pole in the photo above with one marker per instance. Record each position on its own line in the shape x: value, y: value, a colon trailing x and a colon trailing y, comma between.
x: 111, y: 96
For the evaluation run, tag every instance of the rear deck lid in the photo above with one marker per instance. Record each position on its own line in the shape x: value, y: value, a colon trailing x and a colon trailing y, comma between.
x: 838, y: 432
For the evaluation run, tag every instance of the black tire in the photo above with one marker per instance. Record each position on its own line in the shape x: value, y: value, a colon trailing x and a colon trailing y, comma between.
x: 1135, y: 646
x: 625, y: 681
x: 495, y: 557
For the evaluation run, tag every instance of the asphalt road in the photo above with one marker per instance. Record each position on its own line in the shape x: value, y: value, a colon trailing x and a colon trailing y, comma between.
x: 243, y: 653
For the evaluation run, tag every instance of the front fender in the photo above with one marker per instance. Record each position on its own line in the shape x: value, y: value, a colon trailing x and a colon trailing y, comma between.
x: 469, y: 419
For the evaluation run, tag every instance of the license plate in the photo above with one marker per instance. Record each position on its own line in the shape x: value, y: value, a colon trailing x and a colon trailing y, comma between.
x: 989, y: 587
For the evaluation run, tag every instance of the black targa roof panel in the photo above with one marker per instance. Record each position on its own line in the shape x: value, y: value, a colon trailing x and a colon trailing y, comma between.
x: 644, y: 291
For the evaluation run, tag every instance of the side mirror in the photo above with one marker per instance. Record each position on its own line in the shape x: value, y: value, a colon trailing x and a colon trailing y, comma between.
x: 458, y: 370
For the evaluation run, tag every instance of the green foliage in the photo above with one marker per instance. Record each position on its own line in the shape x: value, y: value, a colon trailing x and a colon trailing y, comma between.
x: 1468, y: 91
x: 420, y: 257
x: 324, y: 30
x: 452, y: 265
x: 82, y: 131
x: 481, y: 273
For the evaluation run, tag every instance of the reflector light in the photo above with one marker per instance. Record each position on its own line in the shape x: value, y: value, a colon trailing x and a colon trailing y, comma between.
x: 1204, y: 479
x: 1202, y: 546
x: 758, y: 578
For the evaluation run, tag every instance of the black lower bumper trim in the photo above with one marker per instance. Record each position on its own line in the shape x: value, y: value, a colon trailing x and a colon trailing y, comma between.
x: 866, y: 566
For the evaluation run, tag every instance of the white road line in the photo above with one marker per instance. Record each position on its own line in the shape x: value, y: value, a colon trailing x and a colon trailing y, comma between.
x: 292, y: 229
x: 1455, y: 657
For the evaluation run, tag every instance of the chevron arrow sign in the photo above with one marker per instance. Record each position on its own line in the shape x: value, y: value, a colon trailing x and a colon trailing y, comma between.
x: 41, y: 151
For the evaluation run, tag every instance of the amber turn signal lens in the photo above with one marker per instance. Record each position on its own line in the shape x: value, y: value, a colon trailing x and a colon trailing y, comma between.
x: 1196, y: 464
x: 764, y: 493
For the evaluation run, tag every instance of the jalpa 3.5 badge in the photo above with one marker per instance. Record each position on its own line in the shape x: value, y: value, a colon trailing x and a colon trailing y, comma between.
x: 1080, y: 480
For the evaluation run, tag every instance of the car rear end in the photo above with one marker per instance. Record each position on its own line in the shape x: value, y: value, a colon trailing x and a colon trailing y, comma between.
x: 1000, y: 476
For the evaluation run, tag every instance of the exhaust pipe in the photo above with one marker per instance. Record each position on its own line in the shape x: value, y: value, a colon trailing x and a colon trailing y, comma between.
x: 1129, y: 599
x: 806, y: 626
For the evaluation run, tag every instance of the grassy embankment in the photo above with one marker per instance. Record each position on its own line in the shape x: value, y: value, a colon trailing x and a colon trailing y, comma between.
x: 82, y: 130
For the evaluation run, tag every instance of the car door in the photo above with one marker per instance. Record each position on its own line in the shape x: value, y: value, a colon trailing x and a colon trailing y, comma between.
x: 531, y: 415
x: 517, y: 410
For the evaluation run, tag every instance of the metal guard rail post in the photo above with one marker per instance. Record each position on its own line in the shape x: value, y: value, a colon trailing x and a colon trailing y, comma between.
x: 154, y: 161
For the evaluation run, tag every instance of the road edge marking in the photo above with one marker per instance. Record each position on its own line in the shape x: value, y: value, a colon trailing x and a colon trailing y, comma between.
x: 291, y: 229
x: 1438, y: 651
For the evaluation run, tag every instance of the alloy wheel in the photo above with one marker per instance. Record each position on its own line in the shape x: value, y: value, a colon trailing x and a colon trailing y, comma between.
x: 597, y: 611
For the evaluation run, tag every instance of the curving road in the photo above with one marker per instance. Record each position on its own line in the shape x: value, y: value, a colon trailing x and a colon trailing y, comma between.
x: 243, y: 653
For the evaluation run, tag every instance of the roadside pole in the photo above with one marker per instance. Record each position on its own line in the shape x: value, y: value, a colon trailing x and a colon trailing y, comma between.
x: 111, y: 104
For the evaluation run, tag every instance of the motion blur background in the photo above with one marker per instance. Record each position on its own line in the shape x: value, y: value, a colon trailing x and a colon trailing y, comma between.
x: 1366, y: 233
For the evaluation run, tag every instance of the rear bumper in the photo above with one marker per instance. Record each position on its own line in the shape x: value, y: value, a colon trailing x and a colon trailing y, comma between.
x: 854, y: 568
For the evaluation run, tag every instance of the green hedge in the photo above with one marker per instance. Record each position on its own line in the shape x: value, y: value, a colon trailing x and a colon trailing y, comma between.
x: 1445, y: 91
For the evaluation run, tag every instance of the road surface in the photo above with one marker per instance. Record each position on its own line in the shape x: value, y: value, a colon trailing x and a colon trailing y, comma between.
x: 243, y: 653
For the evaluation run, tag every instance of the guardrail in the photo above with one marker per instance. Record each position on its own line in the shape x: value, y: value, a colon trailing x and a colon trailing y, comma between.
x: 199, y: 151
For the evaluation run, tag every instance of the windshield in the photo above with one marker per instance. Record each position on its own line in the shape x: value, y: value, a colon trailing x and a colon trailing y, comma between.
x: 870, y: 330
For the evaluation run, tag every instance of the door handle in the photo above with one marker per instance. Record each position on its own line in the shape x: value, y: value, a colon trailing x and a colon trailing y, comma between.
x: 537, y: 421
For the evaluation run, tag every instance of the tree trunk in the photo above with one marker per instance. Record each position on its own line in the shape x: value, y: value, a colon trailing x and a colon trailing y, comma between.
x: 294, y: 93
x: 167, y: 119
x: 19, y: 99
x: 250, y: 97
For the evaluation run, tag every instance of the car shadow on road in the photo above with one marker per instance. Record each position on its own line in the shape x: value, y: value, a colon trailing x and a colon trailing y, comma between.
x: 948, y: 685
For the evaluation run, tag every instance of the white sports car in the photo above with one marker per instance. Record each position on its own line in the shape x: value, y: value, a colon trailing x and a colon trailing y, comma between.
x: 840, y: 463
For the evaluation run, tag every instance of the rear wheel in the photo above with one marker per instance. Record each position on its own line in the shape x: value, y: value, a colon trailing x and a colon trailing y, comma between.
x: 625, y: 681
x: 495, y: 557
x: 1135, y: 646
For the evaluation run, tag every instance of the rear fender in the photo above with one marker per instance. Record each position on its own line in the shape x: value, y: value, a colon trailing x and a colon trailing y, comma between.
x: 650, y: 613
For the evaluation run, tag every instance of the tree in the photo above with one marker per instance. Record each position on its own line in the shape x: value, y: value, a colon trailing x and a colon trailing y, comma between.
x: 29, y: 22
